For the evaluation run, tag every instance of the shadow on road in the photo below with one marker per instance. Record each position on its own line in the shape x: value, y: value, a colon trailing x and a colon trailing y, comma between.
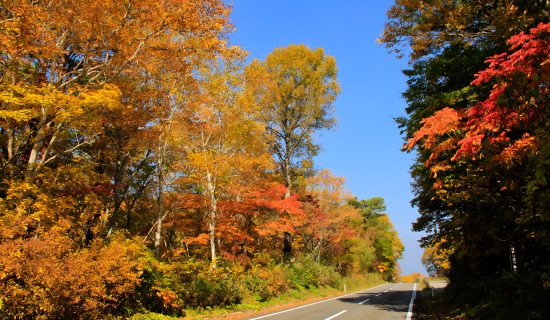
x: 395, y: 301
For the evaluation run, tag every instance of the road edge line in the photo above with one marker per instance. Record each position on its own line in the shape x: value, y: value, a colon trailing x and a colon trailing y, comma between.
x: 413, y: 296
x: 314, y: 303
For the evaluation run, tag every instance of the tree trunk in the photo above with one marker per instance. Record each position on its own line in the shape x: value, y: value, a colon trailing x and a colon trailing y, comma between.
x: 287, y: 247
x: 160, y: 203
x: 212, y: 222
x: 287, y: 239
x: 10, y: 143
x: 38, y: 142
x: 318, y: 249
x: 11, y: 151
x: 288, y: 179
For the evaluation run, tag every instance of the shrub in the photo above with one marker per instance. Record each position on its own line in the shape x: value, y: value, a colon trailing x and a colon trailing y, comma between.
x: 49, y: 277
x: 308, y: 273
x: 150, y: 316
x: 218, y: 287
x: 190, y: 283
x: 267, y: 282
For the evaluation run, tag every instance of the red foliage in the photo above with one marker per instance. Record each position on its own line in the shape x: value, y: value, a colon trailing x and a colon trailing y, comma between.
x: 516, y: 100
x: 502, y: 125
x: 260, y: 215
x: 276, y: 213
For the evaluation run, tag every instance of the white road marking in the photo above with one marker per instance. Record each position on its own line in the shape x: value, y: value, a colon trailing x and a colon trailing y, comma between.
x: 386, y: 291
x: 364, y: 301
x: 377, y: 295
x: 336, y: 315
x: 314, y: 303
x: 409, y: 313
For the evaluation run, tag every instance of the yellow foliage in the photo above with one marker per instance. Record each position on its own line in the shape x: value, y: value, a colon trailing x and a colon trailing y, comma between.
x: 413, y: 277
x: 48, y: 272
x: 436, y: 258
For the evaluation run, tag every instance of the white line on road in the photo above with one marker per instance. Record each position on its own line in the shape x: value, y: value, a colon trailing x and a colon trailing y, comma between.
x: 364, y: 301
x: 386, y: 291
x: 336, y: 315
x: 314, y: 303
x: 410, y: 313
x: 376, y: 295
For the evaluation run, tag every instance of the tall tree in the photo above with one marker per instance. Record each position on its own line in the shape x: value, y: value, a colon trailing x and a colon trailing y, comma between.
x: 379, y: 232
x: 475, y: 146
x: 223, y: 144
x: 296, y: 88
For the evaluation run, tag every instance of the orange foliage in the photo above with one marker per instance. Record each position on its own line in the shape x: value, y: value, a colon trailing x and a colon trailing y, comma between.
x: 516, y: 102
x: 413, y: 277
x: 49, y: 277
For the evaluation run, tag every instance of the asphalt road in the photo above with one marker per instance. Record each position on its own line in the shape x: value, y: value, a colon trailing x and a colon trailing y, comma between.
x: 385, y: 302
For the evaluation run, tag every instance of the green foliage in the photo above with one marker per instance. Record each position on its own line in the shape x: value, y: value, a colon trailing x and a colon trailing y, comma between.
x: 382, y: 238
x: 370, y: 207
x: 150, y: 316
x: 133, y: 127
x: 216, y: 288
x: 308, y: 273
x: 478, y: 195
x: 361, y: 256
x: 171, y: 287
x: 267, y: 282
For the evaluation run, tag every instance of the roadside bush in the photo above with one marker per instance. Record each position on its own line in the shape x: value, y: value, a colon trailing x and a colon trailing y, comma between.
x: 329, y: 277
x: 157, y: 292
x: 218, y: 287
x: 171, y: 287
x: 50, y: 277
x: 267, y: 282
x: 308, y: 273
x: 150, y: 316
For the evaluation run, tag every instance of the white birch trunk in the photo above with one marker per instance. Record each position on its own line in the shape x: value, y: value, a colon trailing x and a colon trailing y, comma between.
x: 212, y: 223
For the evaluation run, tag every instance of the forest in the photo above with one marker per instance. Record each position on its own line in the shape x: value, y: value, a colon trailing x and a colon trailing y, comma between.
x: 146, y: 166
x: 477, y: 119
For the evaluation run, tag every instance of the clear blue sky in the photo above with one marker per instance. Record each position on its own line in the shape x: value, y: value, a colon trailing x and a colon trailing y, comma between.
x: 365, y: 145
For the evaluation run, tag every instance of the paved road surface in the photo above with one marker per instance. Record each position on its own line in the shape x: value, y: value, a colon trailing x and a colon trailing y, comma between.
x: 385, y: 302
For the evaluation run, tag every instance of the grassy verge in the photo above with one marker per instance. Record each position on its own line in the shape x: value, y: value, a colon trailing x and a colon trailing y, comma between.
x: 290, y: 299
x: 250, y: 306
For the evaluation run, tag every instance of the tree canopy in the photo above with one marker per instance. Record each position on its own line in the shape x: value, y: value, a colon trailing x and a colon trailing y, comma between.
x: 145, y: 167
x: 477, y: 120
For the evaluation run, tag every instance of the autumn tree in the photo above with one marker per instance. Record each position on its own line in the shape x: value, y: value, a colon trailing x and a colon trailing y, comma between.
x: 223, y: 143
x: 328, y: 214
x: 380, y: 233
x: 428, y: 28
x: 84, y: 89
x: 272, y: 215
x: 504, y: 131
x: 436, y: 259
x: 475, y: 144
x: 296, y: 88
x: 137, y: 155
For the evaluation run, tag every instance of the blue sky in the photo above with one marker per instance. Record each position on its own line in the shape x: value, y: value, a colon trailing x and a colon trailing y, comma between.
x: 365, y: 145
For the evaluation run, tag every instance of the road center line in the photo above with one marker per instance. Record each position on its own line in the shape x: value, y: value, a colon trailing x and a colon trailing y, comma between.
x: 364, y: 301
x: 336, y: 315
x: 409, y: 313
x: 377, y: 295
x: 314, y: 303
